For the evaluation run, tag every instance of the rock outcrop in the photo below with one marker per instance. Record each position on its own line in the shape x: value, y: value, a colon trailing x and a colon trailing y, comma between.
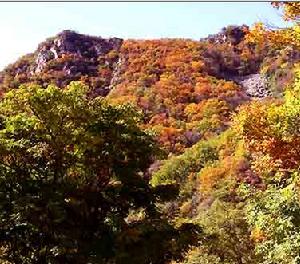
x: 70, y: 56
x: 71, y: 43
x: 255, y: 85
x: 116, y: 73
x: 231, y: 34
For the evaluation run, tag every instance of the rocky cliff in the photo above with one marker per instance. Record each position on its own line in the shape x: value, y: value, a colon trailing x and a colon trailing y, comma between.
x: 71, y: 43
x: 255, y: 85
x: 231, y: 34
x: 69, y: 56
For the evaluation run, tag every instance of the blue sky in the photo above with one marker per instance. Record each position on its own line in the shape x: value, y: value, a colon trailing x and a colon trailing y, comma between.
x: 24, y: 25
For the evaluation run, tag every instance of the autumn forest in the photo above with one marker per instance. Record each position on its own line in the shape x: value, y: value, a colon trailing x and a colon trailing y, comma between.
x: 166, y: 151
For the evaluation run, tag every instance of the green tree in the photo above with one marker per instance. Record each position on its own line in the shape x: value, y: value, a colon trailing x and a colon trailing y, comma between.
x: 71, y: 182
x: 273, y: 215
x: 272, y: 134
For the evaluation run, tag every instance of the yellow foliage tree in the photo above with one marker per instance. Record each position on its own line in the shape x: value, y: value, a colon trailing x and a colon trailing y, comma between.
x: 261, y: 34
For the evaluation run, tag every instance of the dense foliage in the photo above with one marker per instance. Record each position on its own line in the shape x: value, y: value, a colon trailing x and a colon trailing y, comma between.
x: 71, y: 182
x: 177, y: 164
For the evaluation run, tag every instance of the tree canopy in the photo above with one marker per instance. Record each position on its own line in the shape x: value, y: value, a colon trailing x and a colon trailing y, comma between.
x: 72, y: 185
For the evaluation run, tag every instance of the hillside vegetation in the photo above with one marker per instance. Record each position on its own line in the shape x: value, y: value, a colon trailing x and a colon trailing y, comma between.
x: 153, y: 151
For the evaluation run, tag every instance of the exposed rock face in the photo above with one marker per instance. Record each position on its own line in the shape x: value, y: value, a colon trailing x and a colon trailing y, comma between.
x: 42, y: 58
x: 255, y: 85
x: 70, y: 56
x: 231, y: 34
x: 70, y: 42
x: 116, y: 73
x: 235, y: 34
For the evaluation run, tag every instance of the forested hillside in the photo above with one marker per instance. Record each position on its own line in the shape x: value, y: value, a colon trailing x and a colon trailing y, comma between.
x: 153, y: 151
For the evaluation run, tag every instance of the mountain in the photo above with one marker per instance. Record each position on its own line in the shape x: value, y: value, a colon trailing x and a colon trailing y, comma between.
x: 174, y: 151
x: 69, y: 56
x: 187, y: 90
x: 175, y: 82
